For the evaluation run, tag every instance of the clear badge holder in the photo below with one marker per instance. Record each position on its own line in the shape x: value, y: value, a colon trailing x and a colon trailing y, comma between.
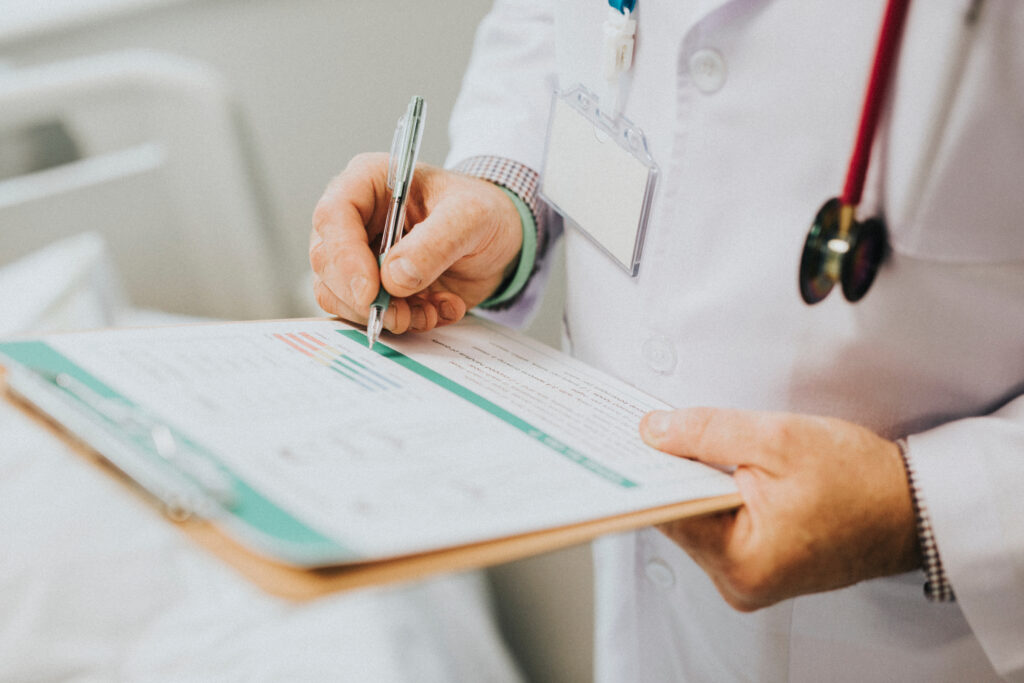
x: 599, y: 175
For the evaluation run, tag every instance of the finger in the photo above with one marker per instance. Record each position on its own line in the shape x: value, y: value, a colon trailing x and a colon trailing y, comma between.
x: 705, y: 536
x: 346, y: 266
x: 329, y: 302
x: 397, y: 315
x: 447, y: 234
x: 716, y: 436
x: 356, y: 199
x: 422, y: 314
x: 712, y: 543
x: 332, y: 260
x: 346, y: 217
x: 434, y: 309
x: 705, y: 540
x: 451, y: 308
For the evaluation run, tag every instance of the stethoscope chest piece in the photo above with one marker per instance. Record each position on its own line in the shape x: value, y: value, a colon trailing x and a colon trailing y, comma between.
x: 840, y: 249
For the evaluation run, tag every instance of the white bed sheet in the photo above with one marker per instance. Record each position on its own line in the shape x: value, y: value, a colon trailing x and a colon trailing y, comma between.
x: 96, y: 586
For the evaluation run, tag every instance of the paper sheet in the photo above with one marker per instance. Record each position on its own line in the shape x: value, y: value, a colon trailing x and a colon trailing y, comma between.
x: 463, y: 434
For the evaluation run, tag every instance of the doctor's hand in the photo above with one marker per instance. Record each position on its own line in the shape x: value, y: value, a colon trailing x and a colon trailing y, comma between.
x: 465, y: 236
x: 826, y: 503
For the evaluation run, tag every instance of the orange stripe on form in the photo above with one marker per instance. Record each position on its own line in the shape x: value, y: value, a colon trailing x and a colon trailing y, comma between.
x: 292, y: 344
x: 313, y: 339
x: 303, y: 343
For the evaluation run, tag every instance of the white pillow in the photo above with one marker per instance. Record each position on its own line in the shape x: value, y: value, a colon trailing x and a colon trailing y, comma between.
x: 69, y: 285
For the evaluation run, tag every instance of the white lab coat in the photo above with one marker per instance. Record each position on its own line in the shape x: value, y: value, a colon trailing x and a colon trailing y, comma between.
x: 750, y: 109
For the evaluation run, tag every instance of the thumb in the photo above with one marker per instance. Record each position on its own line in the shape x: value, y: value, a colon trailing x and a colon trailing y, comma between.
x: 428, y: 250
x: 473, y: 231
x: 716, y: 436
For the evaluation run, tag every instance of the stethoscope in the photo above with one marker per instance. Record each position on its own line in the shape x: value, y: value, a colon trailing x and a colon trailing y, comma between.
x: 839, y: 248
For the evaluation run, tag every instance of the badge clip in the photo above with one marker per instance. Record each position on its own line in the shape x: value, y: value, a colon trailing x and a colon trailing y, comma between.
x: 599, y: 175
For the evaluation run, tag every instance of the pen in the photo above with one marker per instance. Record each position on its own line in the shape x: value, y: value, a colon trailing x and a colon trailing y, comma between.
x: 405, y: 147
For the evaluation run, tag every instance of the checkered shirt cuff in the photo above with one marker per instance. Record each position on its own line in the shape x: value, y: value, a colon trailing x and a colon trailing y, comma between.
x: 518, y: 178
x: 936, y: 586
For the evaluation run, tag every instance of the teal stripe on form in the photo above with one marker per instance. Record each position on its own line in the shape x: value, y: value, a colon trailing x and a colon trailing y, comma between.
x: 492, y: 408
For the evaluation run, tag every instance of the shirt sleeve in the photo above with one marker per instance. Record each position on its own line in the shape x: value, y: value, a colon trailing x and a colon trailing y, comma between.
x: 503, y: 105
x: 499, y: 123
x: 936, y: 584
x: 970, y: 476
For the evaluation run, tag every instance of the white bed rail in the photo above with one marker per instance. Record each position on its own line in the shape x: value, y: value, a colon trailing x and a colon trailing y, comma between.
x: 162, y: 175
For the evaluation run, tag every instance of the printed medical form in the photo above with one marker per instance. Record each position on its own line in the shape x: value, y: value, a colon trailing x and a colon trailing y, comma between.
x: 466, y: 433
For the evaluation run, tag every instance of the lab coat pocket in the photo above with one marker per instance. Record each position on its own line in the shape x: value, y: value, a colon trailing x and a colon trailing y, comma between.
x: 951, y: 164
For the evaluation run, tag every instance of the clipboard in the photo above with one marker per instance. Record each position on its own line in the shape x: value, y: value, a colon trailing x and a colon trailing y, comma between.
x: 220, y: 535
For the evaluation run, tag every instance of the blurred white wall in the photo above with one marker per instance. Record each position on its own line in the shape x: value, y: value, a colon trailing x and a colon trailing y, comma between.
x: 318, y: 81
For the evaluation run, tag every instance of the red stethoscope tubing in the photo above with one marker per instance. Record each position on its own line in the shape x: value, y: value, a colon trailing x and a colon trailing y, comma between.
x: 878, y: 84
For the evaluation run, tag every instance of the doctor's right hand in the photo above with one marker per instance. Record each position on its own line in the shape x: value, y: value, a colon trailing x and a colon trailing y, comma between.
x: 463, y: 238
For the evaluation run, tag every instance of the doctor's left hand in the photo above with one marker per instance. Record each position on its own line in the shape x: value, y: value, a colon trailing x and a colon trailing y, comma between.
x: 826, y: 503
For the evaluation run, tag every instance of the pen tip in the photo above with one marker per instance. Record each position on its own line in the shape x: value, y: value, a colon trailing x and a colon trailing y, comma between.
x: 374, y: 325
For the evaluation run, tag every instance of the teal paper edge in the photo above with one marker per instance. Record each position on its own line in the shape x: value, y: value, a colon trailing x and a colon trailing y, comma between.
x: 492, y: 408
x: 289, y: 538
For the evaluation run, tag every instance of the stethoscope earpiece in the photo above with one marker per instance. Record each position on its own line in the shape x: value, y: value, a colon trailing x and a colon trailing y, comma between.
x: 839, y: 249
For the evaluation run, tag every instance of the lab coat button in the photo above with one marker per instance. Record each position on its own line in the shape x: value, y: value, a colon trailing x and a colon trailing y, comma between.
x: 660, y: 574
x: 660, y: 354
x: 707, y: 69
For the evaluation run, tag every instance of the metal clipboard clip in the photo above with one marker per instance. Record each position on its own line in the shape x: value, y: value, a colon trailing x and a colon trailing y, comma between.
x: 187, y: 482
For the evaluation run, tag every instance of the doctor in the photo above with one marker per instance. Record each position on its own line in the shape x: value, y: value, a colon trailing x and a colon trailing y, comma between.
x: 749, y: 109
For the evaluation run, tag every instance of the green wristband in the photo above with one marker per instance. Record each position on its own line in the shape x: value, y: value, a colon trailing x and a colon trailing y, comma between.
x: 527, y: 256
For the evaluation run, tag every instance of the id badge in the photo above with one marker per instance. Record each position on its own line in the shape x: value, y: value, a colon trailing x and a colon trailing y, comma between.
x: 598, y: 175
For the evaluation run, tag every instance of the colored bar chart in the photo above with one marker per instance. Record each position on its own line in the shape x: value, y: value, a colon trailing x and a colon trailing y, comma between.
x: 358, y: 372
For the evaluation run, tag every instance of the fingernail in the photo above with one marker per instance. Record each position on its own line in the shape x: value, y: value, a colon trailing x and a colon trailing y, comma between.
x: 405, y: 273
x: 446, y: 310
x: 358, y: 285
x: 658, y: 423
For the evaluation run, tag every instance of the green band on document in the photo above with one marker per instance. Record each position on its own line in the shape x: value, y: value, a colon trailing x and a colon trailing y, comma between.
x: 492, y: 408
